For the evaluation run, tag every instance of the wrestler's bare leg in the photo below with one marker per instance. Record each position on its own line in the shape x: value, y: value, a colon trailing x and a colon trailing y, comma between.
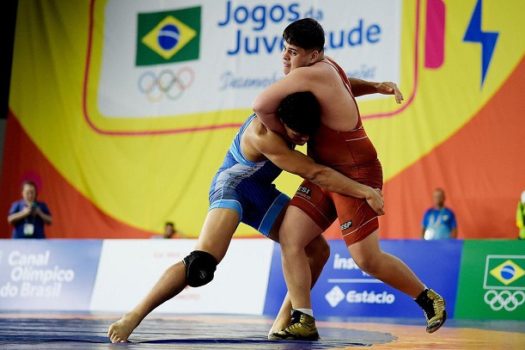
x: 215, y: 237
x: 297, y: 231
x: 318, y: 252
x: 371, y: 259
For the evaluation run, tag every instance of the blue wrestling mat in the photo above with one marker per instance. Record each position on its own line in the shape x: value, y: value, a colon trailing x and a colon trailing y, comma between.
x: 191, y: 332
x: 88, y: 331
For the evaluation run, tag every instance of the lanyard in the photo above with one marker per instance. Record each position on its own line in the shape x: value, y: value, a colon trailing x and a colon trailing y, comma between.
x: 439, y: 217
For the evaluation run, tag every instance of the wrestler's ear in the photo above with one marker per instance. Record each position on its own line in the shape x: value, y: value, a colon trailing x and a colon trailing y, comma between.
x: 314, y: 55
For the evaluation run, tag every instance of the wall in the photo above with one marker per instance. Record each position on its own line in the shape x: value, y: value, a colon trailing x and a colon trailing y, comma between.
x: 479, y: 279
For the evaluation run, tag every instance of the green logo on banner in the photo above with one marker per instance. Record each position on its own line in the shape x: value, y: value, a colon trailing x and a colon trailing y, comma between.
x: 168, y: 36
x: 492, y: 281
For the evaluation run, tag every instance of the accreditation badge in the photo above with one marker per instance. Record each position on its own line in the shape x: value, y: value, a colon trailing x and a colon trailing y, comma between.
x: 29, y: 229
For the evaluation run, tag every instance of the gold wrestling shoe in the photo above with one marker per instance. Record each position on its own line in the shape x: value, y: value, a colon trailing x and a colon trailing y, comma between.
x: 302, y: 327
x: 434, y: 307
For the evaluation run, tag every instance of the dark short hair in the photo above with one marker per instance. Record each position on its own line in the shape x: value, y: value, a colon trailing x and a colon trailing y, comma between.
x: 29, y: 183
x: 306, y: 33
x: 300, y: 112
x: 169, y: 223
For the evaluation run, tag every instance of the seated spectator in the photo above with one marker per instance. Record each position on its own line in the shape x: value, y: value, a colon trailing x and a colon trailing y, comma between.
x: 439, y: 222
x: 28, y: 215
x: 169, y: 230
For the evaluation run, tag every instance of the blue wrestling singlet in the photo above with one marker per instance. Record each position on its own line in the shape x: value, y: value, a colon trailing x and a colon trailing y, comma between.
x: 247, y: 188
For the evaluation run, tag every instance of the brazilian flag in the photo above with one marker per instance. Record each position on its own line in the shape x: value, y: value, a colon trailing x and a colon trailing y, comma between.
x: 168, y: 36
x: 506, y: 272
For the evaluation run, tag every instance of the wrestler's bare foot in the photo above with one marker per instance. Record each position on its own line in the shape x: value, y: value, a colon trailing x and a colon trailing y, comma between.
x: 119, y: 331
x: 278, y: 325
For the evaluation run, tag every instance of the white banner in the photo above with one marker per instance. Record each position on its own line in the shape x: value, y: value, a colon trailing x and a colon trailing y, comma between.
x: 128, y: 270
x: 176, y: 57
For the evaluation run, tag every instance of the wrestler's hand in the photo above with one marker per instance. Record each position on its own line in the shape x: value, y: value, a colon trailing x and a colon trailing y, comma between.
x: 374, y: 198
x: 389, y: 88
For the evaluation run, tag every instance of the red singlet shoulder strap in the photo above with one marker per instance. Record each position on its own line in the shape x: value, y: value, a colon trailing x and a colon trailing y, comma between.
x: 346, y: 83
x: 341, y: 72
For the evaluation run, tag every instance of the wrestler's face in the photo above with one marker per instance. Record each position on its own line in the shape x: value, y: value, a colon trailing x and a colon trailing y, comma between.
x: 295, y: 57
x: 296, y: 137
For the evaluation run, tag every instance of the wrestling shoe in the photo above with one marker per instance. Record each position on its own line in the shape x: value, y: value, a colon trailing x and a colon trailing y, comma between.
x: 434, y: 307
x: 302, y: 327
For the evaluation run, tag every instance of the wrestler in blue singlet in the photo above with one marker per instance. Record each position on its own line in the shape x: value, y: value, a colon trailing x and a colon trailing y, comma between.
x: 246, y: 187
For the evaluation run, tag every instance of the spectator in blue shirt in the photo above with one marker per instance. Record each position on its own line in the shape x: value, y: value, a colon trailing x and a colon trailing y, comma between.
x: 28, y: 215
x: 439, y: 222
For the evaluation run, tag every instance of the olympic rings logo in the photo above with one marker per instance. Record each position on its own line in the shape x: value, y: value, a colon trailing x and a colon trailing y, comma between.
x: 504, y: 299
x: 166, y: 84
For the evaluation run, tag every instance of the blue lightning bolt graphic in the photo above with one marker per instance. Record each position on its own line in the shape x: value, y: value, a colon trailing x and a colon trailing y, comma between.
x: 488, y: 40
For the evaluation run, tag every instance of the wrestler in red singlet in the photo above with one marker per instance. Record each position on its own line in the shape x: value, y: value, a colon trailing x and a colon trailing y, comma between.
x: 353, y: 154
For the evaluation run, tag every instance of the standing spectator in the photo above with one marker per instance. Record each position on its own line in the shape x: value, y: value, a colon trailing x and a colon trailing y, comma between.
x: 439, y: 222
x: 520, y: 216
x: 28, y: 215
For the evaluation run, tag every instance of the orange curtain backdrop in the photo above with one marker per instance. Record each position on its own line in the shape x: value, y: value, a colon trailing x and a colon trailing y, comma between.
x: 74, y: 216
x: 480, y: 167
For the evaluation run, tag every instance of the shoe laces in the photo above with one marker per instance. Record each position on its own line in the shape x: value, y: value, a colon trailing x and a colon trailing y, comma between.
x: 296, y: 317
x: 430, y: 302
x: 299, y: 320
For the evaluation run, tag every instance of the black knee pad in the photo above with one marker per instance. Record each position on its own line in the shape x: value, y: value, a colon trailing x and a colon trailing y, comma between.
x: 200, y: 267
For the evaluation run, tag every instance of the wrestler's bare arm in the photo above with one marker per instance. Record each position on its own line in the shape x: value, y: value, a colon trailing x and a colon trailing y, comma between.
x: 308, y: 79
x: 273, y: 147
x: 362, y: 87
x: 267, y: 102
